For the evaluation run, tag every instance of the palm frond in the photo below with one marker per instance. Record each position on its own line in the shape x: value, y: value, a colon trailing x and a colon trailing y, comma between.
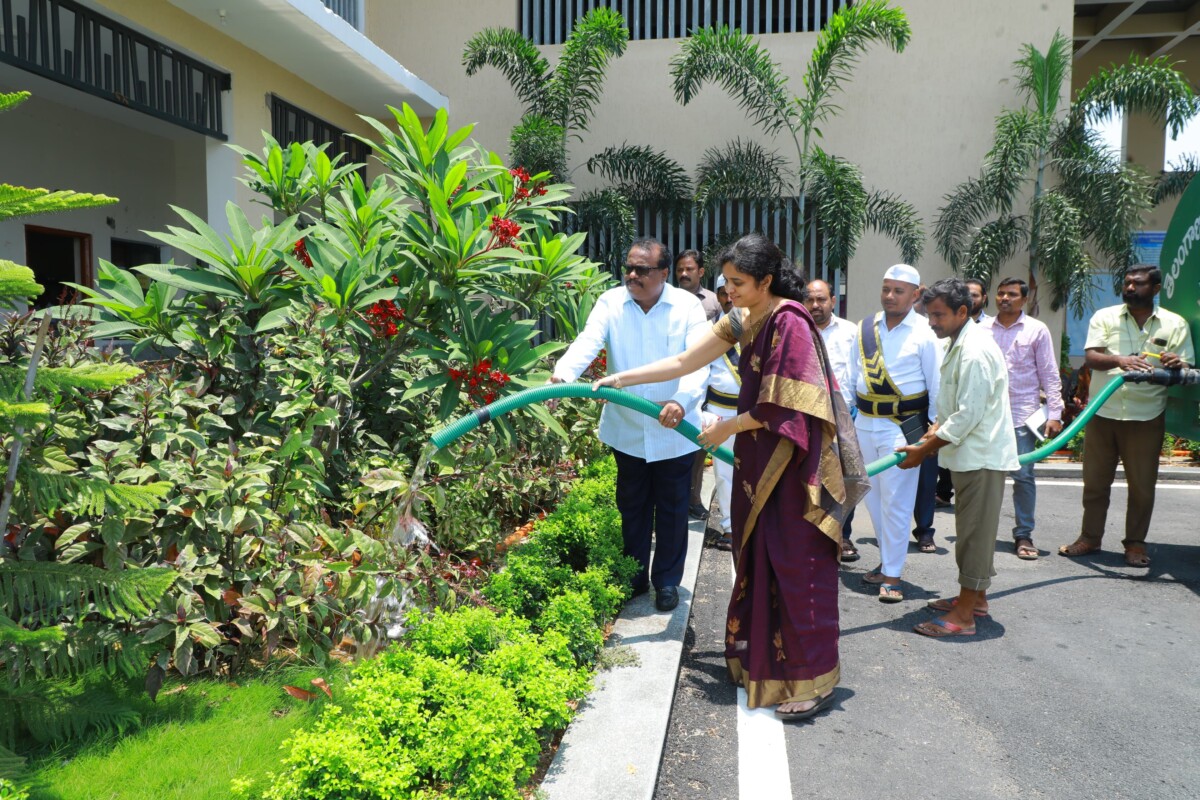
x: 1175, y: 179
x: 49, y: 492
x: 845, y: 38
x: 1063, y: 262
x: 959, y: 218
x: 58, y: 711
x: 71, y: 649
x: 1140, y: 86
x: 741, y: 170
x: 834, y: 188
x: 609, y: 212
x: 648, y: 177
x: 993, y: 244
x: 37, y: 593
x: 517, y: 58
x: 17, y: 282
x: 574, y: 89
x: 12, y: 99
x: 742, y: 68
x: 899, y: 221
x: 1020, y: 136
x: 1040, y: 75
x: 539, y: 144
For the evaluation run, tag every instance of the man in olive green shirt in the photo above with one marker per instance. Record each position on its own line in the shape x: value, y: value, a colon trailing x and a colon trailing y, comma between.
x: 1130, y: 424
x: 973, y: 437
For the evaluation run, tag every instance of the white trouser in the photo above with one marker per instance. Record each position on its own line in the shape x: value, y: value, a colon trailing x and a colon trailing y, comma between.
x: 891, y: 499
x: 722, y: 472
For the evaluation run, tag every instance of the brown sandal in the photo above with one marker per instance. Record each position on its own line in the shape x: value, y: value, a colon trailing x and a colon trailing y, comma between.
x: 1136, y: 557
x: 1079, y: 547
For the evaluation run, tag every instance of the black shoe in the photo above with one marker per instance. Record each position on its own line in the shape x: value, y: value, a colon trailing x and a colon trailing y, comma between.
x: 666, y: 598
x: 697, y: 511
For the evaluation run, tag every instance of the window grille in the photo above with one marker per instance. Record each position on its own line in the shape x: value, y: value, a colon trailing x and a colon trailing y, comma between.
x: 551, y: 21
x: 292, y: 124
x: 349, y: 10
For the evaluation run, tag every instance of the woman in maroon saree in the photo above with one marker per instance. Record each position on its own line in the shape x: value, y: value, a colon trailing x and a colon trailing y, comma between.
x: 797, y: 472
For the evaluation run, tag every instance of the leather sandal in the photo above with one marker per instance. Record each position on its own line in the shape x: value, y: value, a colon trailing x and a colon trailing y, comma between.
x: 1079, y: 547
x: 1135, y: 556
x: 1025, y: 549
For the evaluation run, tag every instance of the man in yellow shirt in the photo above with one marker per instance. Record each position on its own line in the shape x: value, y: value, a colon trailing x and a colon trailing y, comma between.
x: 1130, y: 425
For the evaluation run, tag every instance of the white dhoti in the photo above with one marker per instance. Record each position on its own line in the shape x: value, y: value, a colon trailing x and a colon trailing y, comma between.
x: 892, y: 497
x: 722, y: 472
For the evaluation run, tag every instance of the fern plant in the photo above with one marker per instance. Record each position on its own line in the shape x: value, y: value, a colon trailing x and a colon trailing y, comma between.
x: 58, y: 618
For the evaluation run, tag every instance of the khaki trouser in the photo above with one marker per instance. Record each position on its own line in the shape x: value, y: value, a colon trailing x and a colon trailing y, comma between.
x: 1137, y: 445
x: 694, y: 498
x: 976, y: 520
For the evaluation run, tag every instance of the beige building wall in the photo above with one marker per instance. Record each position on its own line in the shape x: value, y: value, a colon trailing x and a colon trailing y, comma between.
x: 918, y: 123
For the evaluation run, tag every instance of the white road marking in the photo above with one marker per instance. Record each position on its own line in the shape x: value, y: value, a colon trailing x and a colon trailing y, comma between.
x: 1190, y: 487
x: 762, y: 756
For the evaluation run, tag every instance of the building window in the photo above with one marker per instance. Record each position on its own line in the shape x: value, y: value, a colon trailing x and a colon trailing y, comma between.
x: 58, y: 257
x: 1184, y: 150
x: 1112, y: 134
x: 128, y: 254
x: 292, y: 124
x: 551, y: 21
x: 349, y: 10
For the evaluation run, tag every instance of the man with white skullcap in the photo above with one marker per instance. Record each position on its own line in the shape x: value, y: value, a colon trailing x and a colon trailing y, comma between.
x: 896, y: 383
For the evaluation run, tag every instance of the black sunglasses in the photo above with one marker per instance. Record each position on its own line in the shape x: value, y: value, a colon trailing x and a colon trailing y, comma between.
x: 641, y: 272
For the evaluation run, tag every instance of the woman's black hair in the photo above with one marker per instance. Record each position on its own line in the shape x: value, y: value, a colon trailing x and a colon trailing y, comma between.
x: 757, y: 256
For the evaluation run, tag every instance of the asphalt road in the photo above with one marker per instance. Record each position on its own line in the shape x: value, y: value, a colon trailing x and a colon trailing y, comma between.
x: 1084, y: 682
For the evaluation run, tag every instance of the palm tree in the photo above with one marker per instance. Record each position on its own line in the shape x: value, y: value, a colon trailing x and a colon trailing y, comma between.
x: 842, y: 207
x: 1085, y: 203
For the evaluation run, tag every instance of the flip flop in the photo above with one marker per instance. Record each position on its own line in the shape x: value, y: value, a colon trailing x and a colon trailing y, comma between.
x: 874, y: 577
x: 724, y: 543
x: 823, y: 704
x: 1025, y: 549
x: 943, y: 604
x: 890, y: 593
x: 941, y: 628
x: 926, y: 545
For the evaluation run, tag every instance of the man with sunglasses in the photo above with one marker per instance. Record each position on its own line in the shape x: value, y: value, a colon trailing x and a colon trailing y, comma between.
x: 642, y: 321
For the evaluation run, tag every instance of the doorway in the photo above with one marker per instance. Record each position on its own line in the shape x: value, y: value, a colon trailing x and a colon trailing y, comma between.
x: 57, y: 257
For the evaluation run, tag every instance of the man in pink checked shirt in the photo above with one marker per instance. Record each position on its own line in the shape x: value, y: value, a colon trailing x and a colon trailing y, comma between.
x: 1032, y: 372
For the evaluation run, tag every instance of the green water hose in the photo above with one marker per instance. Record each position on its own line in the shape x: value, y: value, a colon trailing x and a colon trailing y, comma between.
x: 553, y: 391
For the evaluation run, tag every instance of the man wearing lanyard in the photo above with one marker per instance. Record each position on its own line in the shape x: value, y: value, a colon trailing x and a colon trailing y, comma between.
x: 1130, y: 425
x: 642, y: 321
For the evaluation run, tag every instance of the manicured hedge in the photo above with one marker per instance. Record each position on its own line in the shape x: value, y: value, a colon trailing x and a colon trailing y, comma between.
x: 463, y: 707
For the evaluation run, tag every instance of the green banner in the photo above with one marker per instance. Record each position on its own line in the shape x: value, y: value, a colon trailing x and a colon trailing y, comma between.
x: 1180, y: 266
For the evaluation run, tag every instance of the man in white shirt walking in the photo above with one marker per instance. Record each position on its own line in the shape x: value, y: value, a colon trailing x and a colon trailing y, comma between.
x: 841, y: 339
x: 896, y: 382
x: 642, y: 321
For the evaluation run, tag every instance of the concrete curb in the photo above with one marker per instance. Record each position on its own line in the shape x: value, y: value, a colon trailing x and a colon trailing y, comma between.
x: 1073, y: 470
x: 613, y: 747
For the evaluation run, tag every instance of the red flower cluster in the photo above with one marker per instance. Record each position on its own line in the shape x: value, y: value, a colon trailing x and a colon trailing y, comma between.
x: 300, y: 251
x: 505, y: 230
x: 384, y: 318
x: 598, y: 368
x: 481, y: 382
x: 522, y: 191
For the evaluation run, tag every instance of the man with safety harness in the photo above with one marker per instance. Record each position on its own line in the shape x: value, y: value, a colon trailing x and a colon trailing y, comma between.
x: 896, y: 383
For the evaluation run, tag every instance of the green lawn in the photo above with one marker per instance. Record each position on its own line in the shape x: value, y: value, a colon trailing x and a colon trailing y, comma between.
x: 193, y: 742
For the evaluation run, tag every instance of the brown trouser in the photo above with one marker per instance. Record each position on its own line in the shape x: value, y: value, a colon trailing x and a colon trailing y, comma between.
x: 697, y: 480
x: 1137, y: 445
x: 980, y: 493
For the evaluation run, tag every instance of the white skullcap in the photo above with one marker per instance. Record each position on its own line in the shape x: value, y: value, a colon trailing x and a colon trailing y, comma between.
x: 903, y: 272
x: 719, y: 283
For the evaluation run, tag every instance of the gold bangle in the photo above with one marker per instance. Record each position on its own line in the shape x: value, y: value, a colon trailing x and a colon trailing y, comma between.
x: 738, y: 419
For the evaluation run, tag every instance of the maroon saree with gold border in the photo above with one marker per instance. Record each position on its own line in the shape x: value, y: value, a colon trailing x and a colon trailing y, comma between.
x: 789, y: 500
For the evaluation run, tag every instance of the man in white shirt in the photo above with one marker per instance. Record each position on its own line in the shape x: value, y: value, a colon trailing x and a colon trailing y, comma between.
x: 640, y: 322
x: 895, y: 375
x: 720, y: 402
x: 689, y: 275
x: 841, y: 340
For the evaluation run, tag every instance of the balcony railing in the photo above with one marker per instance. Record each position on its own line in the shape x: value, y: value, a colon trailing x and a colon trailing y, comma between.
x: 291, y: 123
x: 349, y: 10
x: 73, y: 45
x: 551, y: 21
